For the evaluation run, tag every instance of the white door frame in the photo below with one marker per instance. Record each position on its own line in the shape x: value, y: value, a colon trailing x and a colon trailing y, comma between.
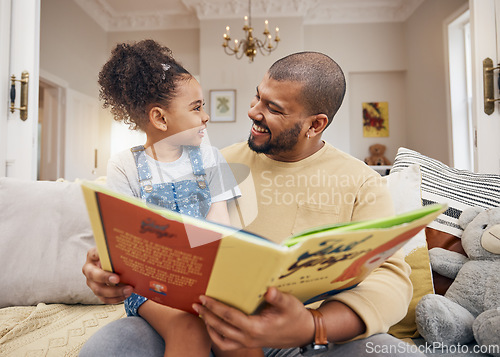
x: 459, y: 120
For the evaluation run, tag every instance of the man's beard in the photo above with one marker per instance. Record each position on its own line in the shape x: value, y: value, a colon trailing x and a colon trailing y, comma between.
x: 285, y: 141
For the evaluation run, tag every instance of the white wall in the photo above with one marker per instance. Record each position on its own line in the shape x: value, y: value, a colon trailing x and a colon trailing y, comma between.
x: 378, y: 87
x: 72, y: 45
x: 426, y: 115
x: 413, y: 50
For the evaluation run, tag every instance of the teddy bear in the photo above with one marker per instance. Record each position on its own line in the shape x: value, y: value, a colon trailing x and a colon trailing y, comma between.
x: 470, y: 308
x: 377, y: 157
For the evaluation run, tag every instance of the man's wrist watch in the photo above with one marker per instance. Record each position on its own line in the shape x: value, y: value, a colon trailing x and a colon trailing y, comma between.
x: 320, y: 343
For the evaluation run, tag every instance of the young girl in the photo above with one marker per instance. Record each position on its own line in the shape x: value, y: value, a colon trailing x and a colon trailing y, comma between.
x: 146, y: 88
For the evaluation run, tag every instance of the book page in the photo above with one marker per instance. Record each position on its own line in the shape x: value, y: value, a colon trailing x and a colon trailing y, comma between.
x: 330, y: 261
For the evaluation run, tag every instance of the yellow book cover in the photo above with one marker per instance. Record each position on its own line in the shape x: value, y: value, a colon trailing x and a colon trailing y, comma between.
x: 173, y: 258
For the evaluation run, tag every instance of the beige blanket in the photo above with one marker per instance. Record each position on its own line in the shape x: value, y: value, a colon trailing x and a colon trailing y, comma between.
x: 52, y: 330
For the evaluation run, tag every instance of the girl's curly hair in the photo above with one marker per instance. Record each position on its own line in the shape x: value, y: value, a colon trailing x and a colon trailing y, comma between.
x: 136, y: 76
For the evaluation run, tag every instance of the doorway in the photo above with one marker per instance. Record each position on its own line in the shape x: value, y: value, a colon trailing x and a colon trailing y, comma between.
x: 460, y: 91
x: 51, y: 127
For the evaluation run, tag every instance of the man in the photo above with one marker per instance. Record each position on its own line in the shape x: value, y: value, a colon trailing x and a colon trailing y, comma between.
x: 298, y: 181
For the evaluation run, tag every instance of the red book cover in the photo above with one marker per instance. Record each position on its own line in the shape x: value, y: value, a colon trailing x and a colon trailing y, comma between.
x: 172, y: 273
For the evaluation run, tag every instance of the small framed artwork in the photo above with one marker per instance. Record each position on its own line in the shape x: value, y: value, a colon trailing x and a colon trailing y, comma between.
x: 223, y: 106
x: 375, y: 119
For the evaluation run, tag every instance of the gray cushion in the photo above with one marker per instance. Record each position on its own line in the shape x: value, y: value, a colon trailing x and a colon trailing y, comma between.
x: 44, y: 236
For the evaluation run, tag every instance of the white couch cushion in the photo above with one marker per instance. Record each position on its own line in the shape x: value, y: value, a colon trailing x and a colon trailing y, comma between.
x: 44, y: 236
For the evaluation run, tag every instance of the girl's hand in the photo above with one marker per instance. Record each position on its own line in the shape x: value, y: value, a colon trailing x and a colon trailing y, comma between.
x: 105, y: 285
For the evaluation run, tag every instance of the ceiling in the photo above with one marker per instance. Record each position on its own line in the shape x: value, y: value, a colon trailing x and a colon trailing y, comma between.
x: 133, y: 15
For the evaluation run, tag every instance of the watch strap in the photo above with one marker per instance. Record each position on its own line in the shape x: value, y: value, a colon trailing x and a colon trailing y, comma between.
x: 320, y: 337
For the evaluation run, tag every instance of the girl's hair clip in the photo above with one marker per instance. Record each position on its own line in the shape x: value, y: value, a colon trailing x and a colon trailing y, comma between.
x: 165, y: 67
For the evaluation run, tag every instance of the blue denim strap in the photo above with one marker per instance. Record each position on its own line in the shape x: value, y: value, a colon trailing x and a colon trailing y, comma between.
x: 132, y: 304
x: 142, y: 168
x: 197, y: 165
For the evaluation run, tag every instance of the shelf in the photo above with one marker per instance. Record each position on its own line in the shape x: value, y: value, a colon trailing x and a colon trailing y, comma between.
x: 381, y: 169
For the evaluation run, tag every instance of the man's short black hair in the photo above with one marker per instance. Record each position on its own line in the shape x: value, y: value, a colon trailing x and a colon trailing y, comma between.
x: 323, y: 80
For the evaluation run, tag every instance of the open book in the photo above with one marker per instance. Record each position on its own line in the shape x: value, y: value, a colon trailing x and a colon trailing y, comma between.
x: 173, y: 258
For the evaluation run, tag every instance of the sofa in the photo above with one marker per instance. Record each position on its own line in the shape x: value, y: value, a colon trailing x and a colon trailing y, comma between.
x: 46, y: 308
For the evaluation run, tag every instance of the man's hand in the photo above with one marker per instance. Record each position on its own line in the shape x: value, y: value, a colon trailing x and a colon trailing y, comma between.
x: 283, y: 323
x: 105, y: 285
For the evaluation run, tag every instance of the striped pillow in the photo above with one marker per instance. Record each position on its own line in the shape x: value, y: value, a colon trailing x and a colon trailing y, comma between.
x: 460, y: 189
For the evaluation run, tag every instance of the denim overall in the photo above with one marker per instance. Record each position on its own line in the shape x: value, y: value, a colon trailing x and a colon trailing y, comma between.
x: 190, y: 197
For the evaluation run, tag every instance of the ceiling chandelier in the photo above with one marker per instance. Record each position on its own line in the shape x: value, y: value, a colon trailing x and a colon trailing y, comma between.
x: 249, y: 45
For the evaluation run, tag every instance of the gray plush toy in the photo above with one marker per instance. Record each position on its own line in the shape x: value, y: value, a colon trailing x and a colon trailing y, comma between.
x: 471, y: 306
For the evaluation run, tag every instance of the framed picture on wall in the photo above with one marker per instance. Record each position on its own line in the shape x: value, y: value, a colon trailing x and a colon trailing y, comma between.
x: 223, y: 106
x: 375, y: 119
